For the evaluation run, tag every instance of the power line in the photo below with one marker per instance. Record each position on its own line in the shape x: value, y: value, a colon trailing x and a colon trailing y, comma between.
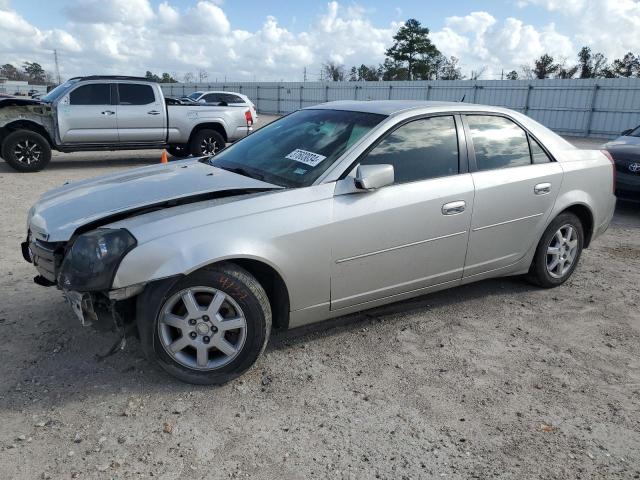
x: 55, y: 58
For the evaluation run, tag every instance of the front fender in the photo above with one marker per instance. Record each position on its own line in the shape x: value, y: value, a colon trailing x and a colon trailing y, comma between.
x: 295, y: 241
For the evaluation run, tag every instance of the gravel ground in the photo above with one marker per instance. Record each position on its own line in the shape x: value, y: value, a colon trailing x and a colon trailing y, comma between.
x: 493, y: 380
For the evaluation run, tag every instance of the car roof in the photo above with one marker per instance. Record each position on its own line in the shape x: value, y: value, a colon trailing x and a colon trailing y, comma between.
x: 221, y: 91
x: 391, y: 107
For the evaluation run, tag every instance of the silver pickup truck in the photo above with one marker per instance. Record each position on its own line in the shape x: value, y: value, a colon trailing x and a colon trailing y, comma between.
x: 112, y: 113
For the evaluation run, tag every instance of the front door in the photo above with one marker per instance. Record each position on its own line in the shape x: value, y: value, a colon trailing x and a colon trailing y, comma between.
x: 409, y: 235
x: 516, y: 186
x: 86, y: 115
x: 141, y: 116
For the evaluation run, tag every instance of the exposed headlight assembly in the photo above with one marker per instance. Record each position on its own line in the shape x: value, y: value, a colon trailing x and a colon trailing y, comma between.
x: 91, y: 263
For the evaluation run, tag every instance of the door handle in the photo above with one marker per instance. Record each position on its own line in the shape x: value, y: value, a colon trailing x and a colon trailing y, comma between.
x: 454, y: 208
x: 108, y: 112
x: 542, y: 188
x: 153, y: 112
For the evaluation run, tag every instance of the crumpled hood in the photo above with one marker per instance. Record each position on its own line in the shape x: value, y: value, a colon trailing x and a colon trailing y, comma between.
x: 59, y: 212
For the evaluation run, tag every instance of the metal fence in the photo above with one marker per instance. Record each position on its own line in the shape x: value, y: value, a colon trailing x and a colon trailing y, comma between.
x: 585, y: 108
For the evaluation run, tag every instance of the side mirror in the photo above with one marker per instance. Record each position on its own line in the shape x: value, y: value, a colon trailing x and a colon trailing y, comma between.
x: 202, y: 100
x: 627, y: 132
x: 370, y: 177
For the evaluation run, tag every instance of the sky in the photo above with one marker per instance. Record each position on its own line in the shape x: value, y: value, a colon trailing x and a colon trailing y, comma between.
x: 276, y: 40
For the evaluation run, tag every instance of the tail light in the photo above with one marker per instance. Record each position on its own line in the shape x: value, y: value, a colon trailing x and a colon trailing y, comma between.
x: 613, y: 166
x: 248, y: 117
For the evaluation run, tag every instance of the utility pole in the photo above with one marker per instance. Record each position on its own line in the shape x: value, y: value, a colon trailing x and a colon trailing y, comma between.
x: 55, y: 59
x: 304, y: 78
x: 502, y: 75
x: 321, y: 74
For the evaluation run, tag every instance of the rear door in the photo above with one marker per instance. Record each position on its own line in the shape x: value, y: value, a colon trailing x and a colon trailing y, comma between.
x: 412, y: 234
x: 87, y: 115
x: 516, y: 185
x: 141, y: 115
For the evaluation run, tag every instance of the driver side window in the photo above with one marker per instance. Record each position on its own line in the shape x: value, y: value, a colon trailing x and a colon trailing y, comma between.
x: 419, y: 150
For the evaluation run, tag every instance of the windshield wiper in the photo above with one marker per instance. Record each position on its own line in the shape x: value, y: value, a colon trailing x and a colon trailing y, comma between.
x: 242, y: 171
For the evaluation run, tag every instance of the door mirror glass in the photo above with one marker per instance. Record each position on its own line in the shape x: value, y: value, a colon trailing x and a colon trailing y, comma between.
x: 370, y: 177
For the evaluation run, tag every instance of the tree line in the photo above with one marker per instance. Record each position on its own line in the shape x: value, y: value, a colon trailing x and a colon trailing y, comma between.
x: 31, y: 72
x: 413, y: 56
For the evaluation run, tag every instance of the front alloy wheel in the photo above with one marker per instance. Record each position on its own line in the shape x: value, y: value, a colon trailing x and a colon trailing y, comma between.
x: 209, y: 327
x: 26, y: 151
x: 202, y: 328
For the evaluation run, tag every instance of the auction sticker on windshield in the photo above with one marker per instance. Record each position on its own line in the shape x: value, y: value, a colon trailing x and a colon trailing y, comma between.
x: 308, y: 158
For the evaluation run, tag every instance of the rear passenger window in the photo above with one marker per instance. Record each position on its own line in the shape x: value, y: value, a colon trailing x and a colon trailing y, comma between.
x: 538, y: 155
x: 422, y: 149
x: 498, y: 142
x: 135, y: 94
x: 212, y: 98
x: 91, y: 94
x: 230, y: 98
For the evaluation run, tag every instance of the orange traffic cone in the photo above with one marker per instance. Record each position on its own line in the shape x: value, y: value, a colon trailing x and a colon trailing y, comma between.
x: 163, y: 158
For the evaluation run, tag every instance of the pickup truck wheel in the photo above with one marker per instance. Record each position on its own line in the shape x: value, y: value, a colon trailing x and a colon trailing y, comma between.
x: 211, y: 326
x: 26, y: 151
x: 558, y: 252
x: 178, y: 151
x: 206, y: 142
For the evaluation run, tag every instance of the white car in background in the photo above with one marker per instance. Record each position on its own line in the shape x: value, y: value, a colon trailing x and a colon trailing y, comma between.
x: 232, y: 99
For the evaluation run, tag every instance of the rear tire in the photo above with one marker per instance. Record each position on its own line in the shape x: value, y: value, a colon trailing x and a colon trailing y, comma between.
x: 26, y: 151
x: 186, y: 344
x: 558, y: 252
x: 206, y: 142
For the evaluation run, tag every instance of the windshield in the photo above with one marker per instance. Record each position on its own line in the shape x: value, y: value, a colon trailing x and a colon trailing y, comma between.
x: 60, y: 90
x: 194, y: 95
x: 295, y: 150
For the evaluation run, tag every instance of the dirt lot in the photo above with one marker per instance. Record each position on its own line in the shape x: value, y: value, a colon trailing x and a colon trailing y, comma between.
x: 492, y: 380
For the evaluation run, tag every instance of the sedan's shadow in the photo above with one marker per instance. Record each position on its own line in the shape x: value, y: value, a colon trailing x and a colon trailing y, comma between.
x: 83, y: 373
x: 462, y: 294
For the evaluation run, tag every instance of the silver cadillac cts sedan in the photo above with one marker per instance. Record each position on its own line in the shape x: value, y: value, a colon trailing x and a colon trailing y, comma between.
x: 330, y: 210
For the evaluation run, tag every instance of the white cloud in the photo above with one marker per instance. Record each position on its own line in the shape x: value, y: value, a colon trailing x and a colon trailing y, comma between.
x: 480, y: 40
x: 133, y: 12
x: 132, y: 36
x: 608, y: 26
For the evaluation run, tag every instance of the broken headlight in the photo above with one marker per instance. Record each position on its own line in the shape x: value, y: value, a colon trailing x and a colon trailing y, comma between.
x: 91, y: 263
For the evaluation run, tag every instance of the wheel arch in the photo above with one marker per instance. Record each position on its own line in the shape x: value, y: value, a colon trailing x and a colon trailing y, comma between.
x: 584, y: 213
x: 25, y: 125
x: 269, y: 278
x: 273, y: 284
x: 217, y: 126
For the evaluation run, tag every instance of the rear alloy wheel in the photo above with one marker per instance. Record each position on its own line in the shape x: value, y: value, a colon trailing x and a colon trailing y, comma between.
x: 206, y: 143
x: 26, y: 151
x: 558, y: 252
x: 210, y: 327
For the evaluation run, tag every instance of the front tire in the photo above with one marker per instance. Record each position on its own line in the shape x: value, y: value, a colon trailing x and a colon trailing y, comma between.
x: 26, y: 151
x: 206, y: 142
x: 558, y: 252
x: 211, y: 326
